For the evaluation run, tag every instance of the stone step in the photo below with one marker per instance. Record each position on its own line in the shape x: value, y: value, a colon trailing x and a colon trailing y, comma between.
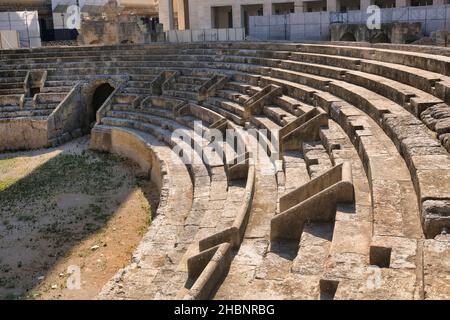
x: 178, y: 86
x: 12, y: 91
x: 292, y: 105
x: 25, y: 113
x: 11, y: 85
x: 317, y: 159
x: 233, y: 96
x: 139, y: 91
x: 162, y: 128
x: 295, y: 171
x: 65, y: 90
x: 5, y: 80
x: 192, y: 80
x: 227, y: 114
x: 13, y: 74
x: 279, y: 115
x: 139, y: 84
x: 193, y: 96
x: 168, y: 230
x: 230, y: 106
x: 142, y: 77
x: 46, y: 98
x: 242, y: 88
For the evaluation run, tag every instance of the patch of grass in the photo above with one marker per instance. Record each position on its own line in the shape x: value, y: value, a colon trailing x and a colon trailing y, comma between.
x: 6, y: 183
x: 41, y: 209
x: 26, y: 217
x: 65, y: 173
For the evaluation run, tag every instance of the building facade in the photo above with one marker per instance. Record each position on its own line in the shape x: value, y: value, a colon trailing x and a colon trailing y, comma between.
x: 201, y: 14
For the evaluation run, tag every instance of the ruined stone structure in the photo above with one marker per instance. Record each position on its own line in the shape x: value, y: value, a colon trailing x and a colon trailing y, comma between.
x: 353, y: 203
x: 117, y: 25
x: 388, y: 33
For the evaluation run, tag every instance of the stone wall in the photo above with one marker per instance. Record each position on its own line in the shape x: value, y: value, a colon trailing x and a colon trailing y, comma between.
x: 115, y: 27
x: 22, y: 134
x: 65, y: 122
x: 401, y: 32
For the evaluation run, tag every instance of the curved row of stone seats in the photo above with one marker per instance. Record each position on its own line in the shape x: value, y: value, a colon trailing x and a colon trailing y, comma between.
x: 172, y: 177
x: 412, y: 99
x: 168, y: 275
x: 303, y: 256
x: 414, y: 77
x: 400, y: 161
x: 84, y: 54
x: 315, y: 82
x: 157, y: 109
x: 218, y: 46
x: 201, y: 177
x: 58, y: 86
x: 395, y: 213
x: 189, y: 86
x: 352, y: 227
x: 207, y: 268
x: 269, y: 274
x: 216, y: 254
x: 337, y: 91
x: 322, y: 59
x: 390, y: 218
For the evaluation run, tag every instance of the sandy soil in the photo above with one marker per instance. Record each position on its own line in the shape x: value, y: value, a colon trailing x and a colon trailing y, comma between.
x: 66, y: 209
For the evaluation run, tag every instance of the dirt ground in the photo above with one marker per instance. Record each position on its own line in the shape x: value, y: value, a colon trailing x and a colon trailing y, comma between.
x: 67, y: 209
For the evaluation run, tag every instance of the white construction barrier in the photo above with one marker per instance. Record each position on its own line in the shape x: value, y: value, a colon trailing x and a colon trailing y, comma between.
x: 9, y: 39
x: 315, y: 25
x: 64, y: 14
x: 234, y: 34
x: 26, y: 23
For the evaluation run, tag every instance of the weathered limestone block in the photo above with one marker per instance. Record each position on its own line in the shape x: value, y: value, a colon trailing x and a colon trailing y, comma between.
x: 436, y: 255
x: 440, y: 37
x: 397, y: 32
x: 443, y: 126
x: 445, y: 140
x: 435, y: 115
x: 436, y: 215
x: 23, y: 133
x: 380, y: 284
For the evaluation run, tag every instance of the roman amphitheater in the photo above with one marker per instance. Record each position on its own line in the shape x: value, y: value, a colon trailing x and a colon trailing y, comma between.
x: 352, y: 200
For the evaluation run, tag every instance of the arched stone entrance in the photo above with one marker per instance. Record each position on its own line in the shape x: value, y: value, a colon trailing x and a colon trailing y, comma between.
x: 94, y: 94
x: 348, y: 36
x: 99, y: 96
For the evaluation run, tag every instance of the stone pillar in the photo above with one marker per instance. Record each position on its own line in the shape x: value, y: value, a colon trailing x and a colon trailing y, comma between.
x: 333, y: 5
x: 267, y: 9
x: 402, y: 3
x: 298, y: 6
x: 166, y: 14
x: 364, y: 4
x: 237, y: 16
x: 181, y: 14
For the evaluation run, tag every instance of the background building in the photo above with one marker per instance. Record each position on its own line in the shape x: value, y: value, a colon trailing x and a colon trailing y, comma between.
x: 200, y: 14
x: 141, y: 8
